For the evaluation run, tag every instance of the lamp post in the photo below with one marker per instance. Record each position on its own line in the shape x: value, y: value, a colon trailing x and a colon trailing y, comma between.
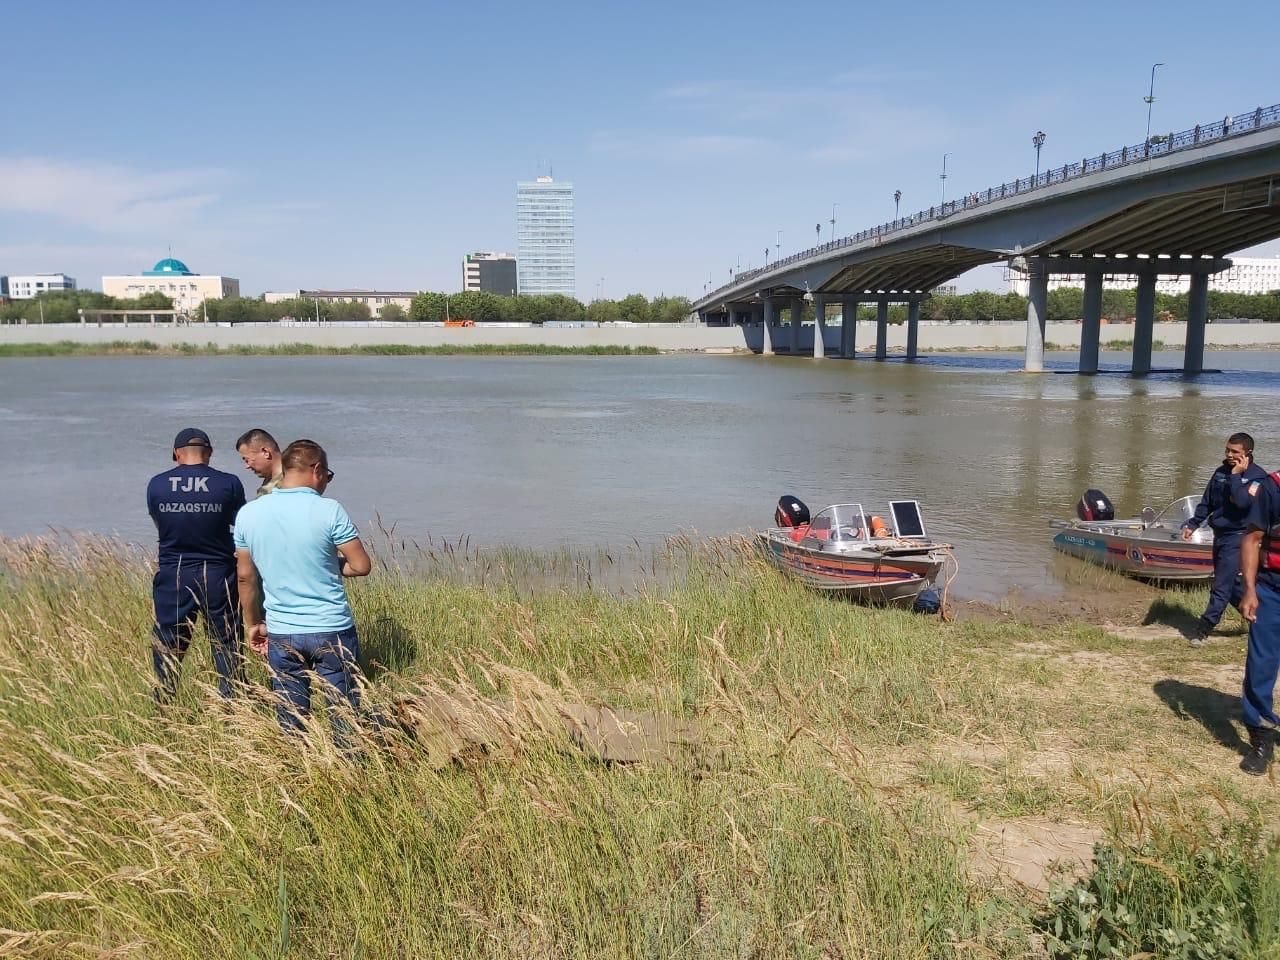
x: 834, y: 208
x: 943, y: 178
x: 1150, y: 98
x: 817, y: 228
x: 779, y: 244
x: 897, y: 198
x: 766, y: 257
x: 1038, y: 141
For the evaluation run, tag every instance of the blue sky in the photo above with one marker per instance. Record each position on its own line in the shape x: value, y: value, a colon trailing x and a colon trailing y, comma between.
x: 373, y: 144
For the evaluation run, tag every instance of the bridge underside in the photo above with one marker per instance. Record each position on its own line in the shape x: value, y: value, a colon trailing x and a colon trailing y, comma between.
x: 1209, y: 222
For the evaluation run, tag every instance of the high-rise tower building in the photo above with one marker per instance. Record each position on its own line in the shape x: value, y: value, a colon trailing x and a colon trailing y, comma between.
x: 544, y: 237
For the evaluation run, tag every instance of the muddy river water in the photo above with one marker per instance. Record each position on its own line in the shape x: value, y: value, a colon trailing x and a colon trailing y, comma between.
x: 545, y: 452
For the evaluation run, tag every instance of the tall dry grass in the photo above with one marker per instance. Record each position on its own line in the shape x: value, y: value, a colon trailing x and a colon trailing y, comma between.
x: 201, y: 831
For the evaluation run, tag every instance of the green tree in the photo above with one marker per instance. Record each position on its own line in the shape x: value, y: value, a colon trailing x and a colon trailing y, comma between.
x: 634, y: 308
x: 604, y: 311
x: 427, y: 308
x: 392, y: 312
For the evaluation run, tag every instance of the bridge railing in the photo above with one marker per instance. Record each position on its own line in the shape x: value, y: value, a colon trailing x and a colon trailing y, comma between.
x: 1158, y: 145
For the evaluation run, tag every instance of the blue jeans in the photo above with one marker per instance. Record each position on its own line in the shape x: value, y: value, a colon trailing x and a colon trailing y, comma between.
x: 179, y: 594
x: 1262, y: 662
x: 332, y: 657
x: 1227, y: 585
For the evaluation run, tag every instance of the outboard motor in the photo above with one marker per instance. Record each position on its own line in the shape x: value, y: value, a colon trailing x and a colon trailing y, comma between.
x: 791, y: 512
x: 1095, y: 505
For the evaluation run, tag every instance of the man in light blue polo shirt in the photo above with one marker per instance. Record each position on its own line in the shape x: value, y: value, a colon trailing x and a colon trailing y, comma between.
x: 301, y: 545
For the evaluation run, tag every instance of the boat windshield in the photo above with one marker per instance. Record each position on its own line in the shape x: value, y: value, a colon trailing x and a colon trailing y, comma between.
x: 1176, y: 513
x: 841, y: 522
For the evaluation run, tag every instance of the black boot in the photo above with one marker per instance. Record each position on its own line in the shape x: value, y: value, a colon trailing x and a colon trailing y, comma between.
x: 1262, y: 748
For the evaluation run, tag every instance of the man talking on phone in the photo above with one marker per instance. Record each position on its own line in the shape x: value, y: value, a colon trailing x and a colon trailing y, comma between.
x: 1228, y: 498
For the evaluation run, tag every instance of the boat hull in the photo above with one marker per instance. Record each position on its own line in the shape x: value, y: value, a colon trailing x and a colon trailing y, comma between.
x: 868, y: 577
x: 1144, y: 558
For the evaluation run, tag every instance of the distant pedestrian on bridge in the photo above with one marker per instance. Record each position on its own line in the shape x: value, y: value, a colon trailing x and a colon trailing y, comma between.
x: 1225, y: 506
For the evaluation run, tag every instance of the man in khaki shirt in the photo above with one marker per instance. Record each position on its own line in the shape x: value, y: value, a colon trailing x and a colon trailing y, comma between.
x: 261, y: 454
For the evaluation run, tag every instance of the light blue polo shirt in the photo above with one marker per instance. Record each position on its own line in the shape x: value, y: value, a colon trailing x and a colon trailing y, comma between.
x: 293, y: 536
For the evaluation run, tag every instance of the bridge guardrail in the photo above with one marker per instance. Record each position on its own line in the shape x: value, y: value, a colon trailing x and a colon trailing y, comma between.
x: 1158, y: 145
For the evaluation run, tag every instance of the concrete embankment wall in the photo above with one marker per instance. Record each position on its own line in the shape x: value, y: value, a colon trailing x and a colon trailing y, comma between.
x: 995, y: 336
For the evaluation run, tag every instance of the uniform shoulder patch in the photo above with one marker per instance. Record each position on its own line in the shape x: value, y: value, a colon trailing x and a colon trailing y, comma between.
x: 1253, y: 488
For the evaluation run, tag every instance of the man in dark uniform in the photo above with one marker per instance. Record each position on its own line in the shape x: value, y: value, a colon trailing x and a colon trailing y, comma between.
x: 1260, y: 567
x: 194, y: 508
x: 1227, y: 500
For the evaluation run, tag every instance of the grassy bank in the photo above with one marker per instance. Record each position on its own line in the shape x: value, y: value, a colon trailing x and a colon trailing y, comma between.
x: 859, y: 780
x: 148, y: 348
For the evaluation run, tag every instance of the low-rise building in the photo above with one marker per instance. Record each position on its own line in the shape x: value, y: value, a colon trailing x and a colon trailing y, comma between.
x: 1246, y: 275
x: 490, y: 273
x: 171, y: 277
x: 32, y: 285
x: 374, y: 299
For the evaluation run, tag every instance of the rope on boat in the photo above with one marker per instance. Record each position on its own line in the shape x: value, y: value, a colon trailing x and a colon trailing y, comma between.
x: 944, y: 611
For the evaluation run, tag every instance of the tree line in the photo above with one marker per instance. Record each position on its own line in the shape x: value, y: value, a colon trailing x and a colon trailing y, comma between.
x: 63, y: 306
x: 478, y: 307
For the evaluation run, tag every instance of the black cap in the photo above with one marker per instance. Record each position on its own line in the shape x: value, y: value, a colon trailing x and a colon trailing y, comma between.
x: 191, y: 437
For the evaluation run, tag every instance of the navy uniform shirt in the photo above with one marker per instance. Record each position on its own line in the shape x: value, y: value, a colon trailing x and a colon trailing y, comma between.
x: 1265, y: 516
x: 194, y: 508
x: 1227, y: 500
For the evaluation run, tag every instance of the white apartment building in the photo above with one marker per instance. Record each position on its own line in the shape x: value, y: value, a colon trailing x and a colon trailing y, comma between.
x: 31, y: 286
x: 1246, y: 275
x: 171, y: 277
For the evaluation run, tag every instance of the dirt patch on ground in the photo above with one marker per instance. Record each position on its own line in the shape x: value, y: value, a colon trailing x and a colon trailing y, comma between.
x: 1034, y: 853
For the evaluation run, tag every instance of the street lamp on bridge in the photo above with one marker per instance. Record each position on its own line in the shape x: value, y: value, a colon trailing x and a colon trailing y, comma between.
x: 1150, y: 98
x: 1038, y: 141
x: 897, y: 199
x: 943, y: 178
x: 834, y: 207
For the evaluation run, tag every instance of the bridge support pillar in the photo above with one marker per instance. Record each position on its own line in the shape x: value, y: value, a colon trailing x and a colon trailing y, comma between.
x: 1144, y: 322
x: 766, y: 345
x: 848, y: 327
x: 1197, y: 317
x: 1037, y: 307
x: 913, y: 329
x: 797, y: 319
x: 882, y: 329
x: 819, y: 326
x: 1091, y: 323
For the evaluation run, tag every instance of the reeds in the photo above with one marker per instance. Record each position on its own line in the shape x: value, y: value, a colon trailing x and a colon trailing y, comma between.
x: 814, y: 820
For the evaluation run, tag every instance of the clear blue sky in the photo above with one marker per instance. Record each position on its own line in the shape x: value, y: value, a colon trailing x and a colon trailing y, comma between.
x: 373, y: 144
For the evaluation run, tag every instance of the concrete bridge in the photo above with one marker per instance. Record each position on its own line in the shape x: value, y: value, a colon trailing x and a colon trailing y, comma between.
x: 1174, y: 206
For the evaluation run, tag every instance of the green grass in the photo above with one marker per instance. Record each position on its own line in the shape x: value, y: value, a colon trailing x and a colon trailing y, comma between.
x: 71, y: 348
x: 833, y: 815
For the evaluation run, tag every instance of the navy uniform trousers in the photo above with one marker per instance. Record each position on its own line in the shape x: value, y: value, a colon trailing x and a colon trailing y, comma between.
x: 181, y: 592
x: 1228, y: 587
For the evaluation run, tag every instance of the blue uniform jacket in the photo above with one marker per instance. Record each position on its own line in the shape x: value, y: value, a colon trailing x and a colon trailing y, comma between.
x: 1228, y: 499
x: 1265, y: 515
x: 194, y: 508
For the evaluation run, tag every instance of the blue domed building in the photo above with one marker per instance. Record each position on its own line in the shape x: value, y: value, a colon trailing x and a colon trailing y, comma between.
x: 176, y: 281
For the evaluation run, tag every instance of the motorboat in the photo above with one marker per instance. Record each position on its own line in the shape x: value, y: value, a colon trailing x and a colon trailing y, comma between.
x: 842, y: 550
x: 1147, y: 547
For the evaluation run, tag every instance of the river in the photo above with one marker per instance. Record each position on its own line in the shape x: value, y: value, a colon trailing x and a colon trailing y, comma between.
x: 586, y: 452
